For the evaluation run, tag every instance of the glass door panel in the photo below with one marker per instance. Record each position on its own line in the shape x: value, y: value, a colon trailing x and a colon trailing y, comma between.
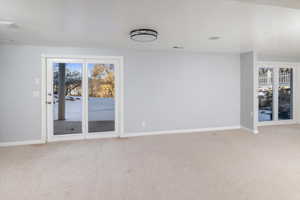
x: 101, y: 97
x: 81, y: 98
x: 265, y: 94
x: 285, y: 94
x: 67, y: 98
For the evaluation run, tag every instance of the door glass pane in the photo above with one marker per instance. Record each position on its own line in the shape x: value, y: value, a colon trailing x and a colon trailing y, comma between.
x: 67, y: 98
x: 285, y: 94
x: 265, y: 94
x: 101, y: 101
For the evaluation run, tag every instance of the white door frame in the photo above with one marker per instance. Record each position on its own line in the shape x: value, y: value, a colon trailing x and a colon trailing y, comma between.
x: 119, y: 96
x: 276, y: 66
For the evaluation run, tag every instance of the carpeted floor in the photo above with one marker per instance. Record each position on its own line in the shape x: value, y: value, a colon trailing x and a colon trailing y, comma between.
x: 225, y: 165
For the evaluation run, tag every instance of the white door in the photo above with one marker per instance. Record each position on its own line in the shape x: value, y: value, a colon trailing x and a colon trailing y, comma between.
x: 83, y: 98
x: 276, y: 93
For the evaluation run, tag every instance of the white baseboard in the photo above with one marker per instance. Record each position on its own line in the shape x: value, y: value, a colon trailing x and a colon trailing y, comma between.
x: 254, y: 131
x: 180, y: 131
x: 62, y: 138
x: 19, y: 143
x: 125, y: 135
x: 274, y: 123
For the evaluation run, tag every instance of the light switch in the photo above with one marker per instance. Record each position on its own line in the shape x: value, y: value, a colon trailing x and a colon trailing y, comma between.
x: 36, y: 94
x: 36, y: 81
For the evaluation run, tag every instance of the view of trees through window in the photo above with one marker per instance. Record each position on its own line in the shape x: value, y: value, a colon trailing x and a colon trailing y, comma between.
x: 68, y: 97
x: 101, y: 80
x: 283, y: 91
x: 72, y: 80
x: 265, y: 94
x: 101, y: 102
x: 285, y: 94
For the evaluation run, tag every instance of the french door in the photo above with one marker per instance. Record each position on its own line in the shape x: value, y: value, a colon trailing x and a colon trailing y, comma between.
x: 83, y: 98
x: 276, y: 93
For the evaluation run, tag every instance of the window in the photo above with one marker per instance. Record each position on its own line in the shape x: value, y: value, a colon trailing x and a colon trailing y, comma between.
x: 83, y: 97
x: 275, y: 92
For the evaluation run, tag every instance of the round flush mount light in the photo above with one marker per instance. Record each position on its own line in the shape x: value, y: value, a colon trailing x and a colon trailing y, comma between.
x: 143, y: 35
x: 7, y: 22
x: 178, y: 47
x: 6, y: 40
x: 214, y: 38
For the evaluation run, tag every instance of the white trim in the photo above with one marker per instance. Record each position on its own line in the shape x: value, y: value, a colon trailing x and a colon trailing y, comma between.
x: 84, y: 96
x: 70, y: 137
x: 88, y: 136
x: 276, y: 66
x: 43, y: 99
x: 83, y: 57
x: 279, y: 122
x: 254, y: 131
x: 255, y: 96
x: 101, y: 136
x: 276, y: 93
x: 19, y: 143
x: 277, y: 63
x: 180, y: 131
x: 119, y: 99
x: 104, y: 135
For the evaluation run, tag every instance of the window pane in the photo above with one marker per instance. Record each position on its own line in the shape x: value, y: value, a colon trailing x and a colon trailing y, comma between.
x: 101, y: 102
x: 285, y: 94
x: 265, y: 94
x: 67, y: 98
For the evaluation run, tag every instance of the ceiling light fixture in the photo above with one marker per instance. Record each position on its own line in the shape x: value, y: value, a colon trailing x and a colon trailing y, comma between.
x: 214, y: 38
x: 6, y: 40
x: 143, y: 35
x: 7, y: 22
x: 178, y: 47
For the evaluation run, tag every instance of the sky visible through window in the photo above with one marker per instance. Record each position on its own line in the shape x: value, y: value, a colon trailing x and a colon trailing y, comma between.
x: 70, y: 66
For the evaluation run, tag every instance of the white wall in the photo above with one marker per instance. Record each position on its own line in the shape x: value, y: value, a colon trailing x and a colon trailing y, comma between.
x: 248, y: 112
x: 167, y: 90
x: 298, y: 95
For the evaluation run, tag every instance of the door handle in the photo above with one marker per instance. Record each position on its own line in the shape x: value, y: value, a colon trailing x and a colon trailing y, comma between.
x: 48, y: 102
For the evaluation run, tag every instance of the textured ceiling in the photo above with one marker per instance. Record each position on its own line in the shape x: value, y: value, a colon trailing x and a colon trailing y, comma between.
x: 281, y: 3
x: 101, y: 23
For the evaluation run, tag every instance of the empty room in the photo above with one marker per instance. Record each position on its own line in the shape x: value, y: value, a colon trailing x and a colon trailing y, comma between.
x: 149, y: 100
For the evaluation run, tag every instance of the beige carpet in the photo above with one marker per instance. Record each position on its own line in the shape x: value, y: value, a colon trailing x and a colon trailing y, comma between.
x: 229, y: 165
